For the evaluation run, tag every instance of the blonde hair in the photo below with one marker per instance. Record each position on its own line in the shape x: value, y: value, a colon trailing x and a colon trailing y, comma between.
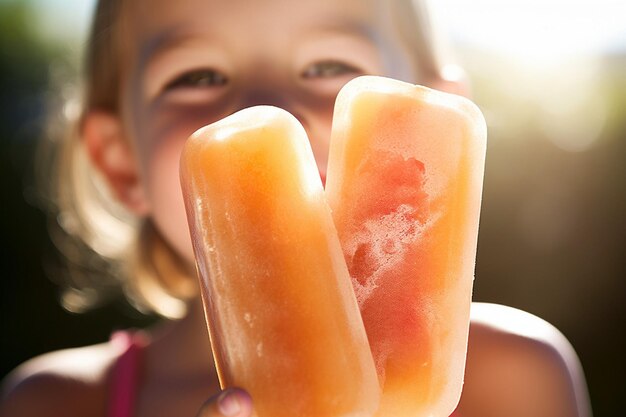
x: 98, y: 237
x: 104, y: 245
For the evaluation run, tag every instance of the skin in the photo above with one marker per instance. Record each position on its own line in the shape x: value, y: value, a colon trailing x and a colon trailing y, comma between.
x: 186, y: 65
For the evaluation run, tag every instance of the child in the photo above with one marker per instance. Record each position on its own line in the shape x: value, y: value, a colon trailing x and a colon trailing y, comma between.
x: 156, y: 71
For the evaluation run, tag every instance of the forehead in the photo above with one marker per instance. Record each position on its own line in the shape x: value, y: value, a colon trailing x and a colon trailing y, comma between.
x: 148, y: 21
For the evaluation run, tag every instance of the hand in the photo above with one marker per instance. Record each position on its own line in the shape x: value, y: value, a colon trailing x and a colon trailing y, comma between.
x: 232, y: 402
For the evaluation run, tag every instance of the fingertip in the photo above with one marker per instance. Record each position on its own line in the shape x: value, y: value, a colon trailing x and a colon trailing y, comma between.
x: 246, y: 402
x: 234, y: 402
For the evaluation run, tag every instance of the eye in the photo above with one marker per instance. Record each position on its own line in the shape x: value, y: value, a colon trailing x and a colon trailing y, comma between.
x: 202, y: 78
x: 329, y: 69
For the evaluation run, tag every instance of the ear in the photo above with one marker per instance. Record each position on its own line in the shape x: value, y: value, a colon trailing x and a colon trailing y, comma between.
x: 111, y: 153
x: 451, y: 79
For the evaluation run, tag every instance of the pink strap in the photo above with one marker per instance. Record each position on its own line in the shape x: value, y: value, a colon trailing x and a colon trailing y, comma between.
x: 126, y: 374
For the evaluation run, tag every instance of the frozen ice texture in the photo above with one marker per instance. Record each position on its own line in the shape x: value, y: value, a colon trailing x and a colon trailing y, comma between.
x: 404, y: 182
x: 282, y: 316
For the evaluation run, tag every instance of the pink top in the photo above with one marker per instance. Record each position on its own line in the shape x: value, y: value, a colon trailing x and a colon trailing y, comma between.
x: 126, y: 375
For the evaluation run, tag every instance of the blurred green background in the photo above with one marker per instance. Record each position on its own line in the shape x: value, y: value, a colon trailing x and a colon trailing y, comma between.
x: 551, y: 79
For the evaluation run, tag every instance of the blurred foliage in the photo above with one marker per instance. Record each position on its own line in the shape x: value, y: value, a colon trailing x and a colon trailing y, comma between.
x: 614, y: 86
x: 24, y: 59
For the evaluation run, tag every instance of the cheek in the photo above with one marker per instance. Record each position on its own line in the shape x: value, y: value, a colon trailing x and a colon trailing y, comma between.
x: 165, y: 197
x: 161, y: 142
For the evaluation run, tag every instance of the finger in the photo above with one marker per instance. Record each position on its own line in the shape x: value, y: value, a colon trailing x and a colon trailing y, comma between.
x: 232, y: 402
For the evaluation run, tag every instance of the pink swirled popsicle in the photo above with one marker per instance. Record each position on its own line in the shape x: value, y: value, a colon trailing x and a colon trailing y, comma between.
x: 404, y: 183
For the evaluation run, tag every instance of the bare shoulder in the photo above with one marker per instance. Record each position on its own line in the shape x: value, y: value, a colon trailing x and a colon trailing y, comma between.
x: 520, y: 365
x: 62, y: 383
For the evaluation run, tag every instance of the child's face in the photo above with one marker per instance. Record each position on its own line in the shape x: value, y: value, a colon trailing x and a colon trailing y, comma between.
x: 189, y: 63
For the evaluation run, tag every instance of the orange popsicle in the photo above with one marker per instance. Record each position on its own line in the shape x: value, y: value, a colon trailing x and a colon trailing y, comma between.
x: 404, y: 182
x: 283, y: 320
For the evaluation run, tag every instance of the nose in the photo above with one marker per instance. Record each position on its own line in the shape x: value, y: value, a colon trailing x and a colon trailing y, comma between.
x: 273, y: 93
x: 264, y: 97
x: 267, y: 94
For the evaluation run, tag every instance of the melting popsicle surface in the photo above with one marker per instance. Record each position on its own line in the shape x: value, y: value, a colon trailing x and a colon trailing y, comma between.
x: 283, y: 320
x: 404, y: 183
